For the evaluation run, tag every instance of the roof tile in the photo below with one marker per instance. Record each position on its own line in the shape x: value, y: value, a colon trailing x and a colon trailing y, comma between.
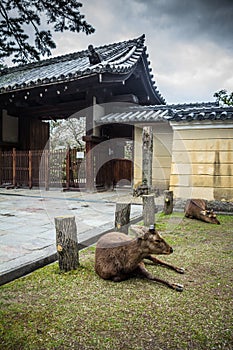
x: 117, y: 57
x: 176, y: 112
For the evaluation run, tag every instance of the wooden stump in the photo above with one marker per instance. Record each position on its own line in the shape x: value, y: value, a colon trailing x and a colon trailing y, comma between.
x: 122, y: 217
x: 168, y: 202
x: 67, y: 243
x: 148, y: 209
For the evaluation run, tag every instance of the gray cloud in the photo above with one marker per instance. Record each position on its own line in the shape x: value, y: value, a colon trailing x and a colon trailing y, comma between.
x: 189, y: 43
x: 192, y: 20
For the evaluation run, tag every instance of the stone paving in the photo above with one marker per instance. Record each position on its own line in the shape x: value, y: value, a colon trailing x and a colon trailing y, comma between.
x: 27, y: 232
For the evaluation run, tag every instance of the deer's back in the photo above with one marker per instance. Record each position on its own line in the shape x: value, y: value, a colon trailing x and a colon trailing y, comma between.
x: 113, y: 239
x: 112, y: 254
x: 194, y: 206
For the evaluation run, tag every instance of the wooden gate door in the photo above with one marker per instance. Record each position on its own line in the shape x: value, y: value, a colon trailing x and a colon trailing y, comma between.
x: 115, y: 171
x: 122, y: 171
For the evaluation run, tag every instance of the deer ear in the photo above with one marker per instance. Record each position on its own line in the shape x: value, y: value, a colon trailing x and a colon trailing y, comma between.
x: 137, y: 230
x: 143, y: 236
x: 146, y: 235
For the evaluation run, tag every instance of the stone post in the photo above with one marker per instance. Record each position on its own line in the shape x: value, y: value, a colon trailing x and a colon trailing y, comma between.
x: 148, y: 209
x: 147, y: 155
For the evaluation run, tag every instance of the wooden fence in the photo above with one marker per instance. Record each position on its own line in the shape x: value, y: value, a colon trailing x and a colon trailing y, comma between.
x: 42, y: 169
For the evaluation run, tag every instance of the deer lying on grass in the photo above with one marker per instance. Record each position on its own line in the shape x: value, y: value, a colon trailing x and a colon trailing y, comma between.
x: 196, y: 209
x: 119, y: 257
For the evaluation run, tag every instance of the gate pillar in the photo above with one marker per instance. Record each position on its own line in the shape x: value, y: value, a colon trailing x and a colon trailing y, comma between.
x: 91, y: 142
x: 89, y: 166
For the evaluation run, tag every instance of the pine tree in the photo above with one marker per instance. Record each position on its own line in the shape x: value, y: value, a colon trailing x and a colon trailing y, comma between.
x: 22, y: 34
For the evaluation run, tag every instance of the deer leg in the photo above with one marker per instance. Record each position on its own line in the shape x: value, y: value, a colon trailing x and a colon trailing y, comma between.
x: 141, y: 270
x: 120, y: 278
x: 165, y: 264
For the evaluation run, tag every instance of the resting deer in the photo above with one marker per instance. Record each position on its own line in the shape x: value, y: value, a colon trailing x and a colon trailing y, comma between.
x: 119, y: 257
x: 196, y: 209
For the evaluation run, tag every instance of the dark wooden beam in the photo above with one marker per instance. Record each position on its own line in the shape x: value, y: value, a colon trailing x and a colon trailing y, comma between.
x: 94, y: 139
x: 131, y: 98
x: 47, y: 111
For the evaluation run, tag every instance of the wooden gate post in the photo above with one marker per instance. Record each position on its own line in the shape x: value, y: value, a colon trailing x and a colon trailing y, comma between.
x: 14, y: 167
x: 148, y: 209
x: 168, y: 202
x: 30, y: 169
x: 67, y: 243
x: 1, y: 168
x: 122, y: 217
x: 68, y: 168
x: 46, y: 169
x: 89, y: 166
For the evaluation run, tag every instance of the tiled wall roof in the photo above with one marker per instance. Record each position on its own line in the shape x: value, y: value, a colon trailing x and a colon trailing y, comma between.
x: 117, y: 58
x: 135, y: 116
x: 175, y: 112
x: 200, y: 113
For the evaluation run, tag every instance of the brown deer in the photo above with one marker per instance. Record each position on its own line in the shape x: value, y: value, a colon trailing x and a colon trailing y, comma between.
x: 119, y: 257
x: 196, y: 209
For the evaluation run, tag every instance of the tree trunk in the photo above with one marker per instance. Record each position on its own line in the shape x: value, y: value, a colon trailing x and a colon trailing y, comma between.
x: 148, y: 209
x: 168, y: 202
x: 122, y: 217
x: 67, y: 243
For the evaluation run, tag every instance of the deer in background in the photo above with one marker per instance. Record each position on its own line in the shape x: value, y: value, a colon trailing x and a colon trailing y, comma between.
x: 196, y: 209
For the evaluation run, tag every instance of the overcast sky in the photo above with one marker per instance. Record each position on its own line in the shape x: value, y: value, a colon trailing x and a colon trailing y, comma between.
x: 190, y: 43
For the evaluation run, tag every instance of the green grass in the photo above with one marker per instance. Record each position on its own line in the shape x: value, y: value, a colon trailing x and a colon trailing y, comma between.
x: 78, y: 310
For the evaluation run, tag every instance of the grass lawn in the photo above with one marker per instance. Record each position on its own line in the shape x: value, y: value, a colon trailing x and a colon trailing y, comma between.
x: 78, y: 310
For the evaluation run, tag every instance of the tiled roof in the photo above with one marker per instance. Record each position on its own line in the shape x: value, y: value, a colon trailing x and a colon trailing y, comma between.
x: 174, y: 112
x: 140, y: 115
x: 118, y: 58
x: 202, y: 113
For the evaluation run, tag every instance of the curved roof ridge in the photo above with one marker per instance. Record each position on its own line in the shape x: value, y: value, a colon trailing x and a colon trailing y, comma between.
x: 66, y: 57
x: 119, y: 59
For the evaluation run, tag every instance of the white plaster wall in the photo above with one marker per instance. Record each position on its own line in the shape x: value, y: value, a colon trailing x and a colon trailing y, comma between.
x: 202, y: 161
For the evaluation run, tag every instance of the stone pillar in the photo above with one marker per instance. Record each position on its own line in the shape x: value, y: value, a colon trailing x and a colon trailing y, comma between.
x: 147, y: 155
x: 148, y: 209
